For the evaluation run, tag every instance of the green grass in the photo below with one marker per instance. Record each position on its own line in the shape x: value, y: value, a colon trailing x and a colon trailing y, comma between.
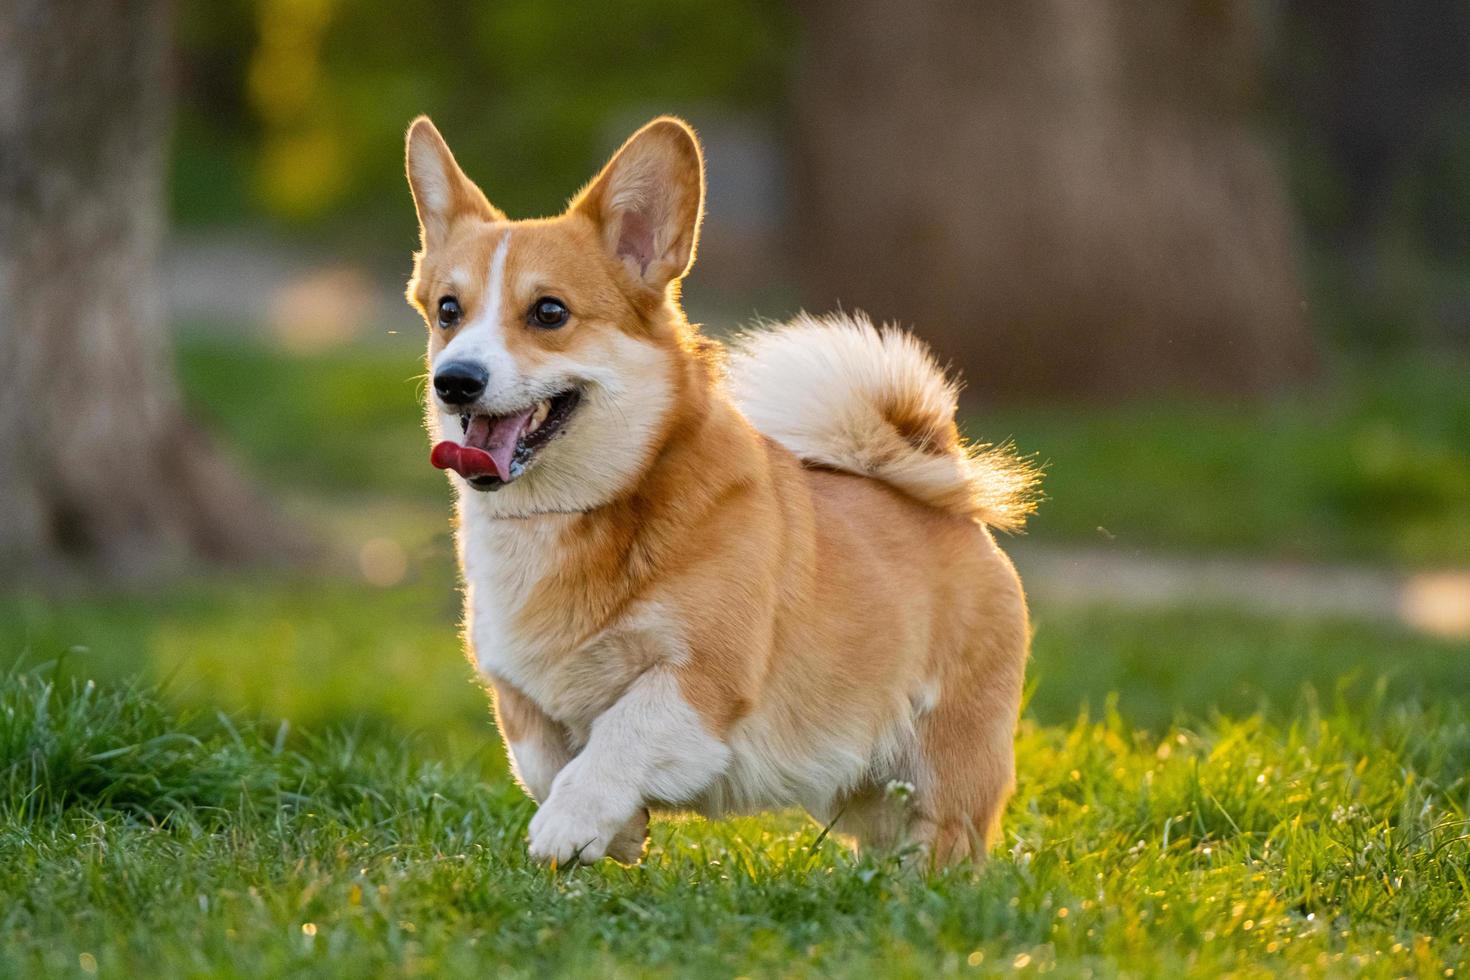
x: 134, y: 841
x: 1372, y: 466
x: 259, y: 775
x: 1175, y: 767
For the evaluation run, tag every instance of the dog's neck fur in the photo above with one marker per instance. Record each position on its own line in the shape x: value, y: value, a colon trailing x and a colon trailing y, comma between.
x: 600, y: 560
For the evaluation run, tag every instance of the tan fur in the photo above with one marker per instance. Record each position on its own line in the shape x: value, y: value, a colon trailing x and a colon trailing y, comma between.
x: 832, y: 632
x: 840, y: 393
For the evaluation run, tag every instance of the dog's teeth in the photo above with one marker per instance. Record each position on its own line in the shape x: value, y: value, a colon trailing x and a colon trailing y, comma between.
x: 464, y: 423
x: 539, y: 416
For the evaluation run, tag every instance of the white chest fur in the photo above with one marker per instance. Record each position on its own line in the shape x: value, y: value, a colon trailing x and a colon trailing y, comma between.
x: 504, y: 562
x: 507, y: 563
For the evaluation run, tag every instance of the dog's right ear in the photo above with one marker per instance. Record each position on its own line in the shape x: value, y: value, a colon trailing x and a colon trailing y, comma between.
x: 442, y: 193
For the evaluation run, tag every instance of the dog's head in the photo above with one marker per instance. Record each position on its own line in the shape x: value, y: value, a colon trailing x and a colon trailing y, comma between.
x: 555, y: 344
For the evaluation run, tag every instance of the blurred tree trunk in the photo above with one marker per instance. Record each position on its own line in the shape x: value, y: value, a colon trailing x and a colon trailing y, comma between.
x: 1377, y: 98
x: 100, y: 473
x: 1064, y: 196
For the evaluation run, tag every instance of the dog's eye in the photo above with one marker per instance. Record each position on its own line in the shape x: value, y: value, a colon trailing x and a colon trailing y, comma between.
x: 449, y: 311
x: 549, y: 312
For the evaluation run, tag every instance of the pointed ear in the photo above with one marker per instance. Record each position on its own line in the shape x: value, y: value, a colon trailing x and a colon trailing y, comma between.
x: 648, y: 202
x: 442, y: 194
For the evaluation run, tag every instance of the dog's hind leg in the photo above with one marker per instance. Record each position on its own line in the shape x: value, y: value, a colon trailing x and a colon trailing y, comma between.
x: 966, y: 768
x: 967, y: 775
x: 947, y: 799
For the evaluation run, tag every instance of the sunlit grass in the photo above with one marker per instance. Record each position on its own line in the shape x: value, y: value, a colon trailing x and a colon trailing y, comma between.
x: 1185, y: 805
x: 151, y: 843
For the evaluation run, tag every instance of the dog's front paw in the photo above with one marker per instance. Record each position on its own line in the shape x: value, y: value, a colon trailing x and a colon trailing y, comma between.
x: 571, y: 831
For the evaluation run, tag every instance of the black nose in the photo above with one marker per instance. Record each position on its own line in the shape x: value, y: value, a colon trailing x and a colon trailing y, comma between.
x: 460, y: 382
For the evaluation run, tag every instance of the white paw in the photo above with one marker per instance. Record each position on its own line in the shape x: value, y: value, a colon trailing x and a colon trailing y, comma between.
x: 562, y: 832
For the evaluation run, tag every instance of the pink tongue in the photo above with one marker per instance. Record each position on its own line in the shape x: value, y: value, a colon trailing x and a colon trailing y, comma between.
x: 488, y: 447
x: 498, y: 437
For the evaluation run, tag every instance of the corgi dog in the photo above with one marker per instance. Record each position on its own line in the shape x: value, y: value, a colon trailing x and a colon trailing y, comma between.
x: 700, y: 579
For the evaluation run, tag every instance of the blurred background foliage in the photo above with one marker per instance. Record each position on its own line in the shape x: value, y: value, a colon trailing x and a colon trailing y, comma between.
x: 290, y: 109
x: 289, y: 115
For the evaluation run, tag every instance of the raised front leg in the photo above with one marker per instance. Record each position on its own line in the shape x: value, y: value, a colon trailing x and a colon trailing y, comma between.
x: 539, y: 749
x: 650, y: 746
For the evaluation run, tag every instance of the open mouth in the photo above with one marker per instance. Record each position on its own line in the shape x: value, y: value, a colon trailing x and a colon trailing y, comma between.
x: 498, y: 448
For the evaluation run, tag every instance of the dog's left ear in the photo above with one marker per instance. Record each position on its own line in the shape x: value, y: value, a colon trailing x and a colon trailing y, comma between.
x: 648, y: 202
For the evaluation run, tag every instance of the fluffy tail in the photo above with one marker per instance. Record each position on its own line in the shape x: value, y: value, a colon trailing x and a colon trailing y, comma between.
x: 838, y: 392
